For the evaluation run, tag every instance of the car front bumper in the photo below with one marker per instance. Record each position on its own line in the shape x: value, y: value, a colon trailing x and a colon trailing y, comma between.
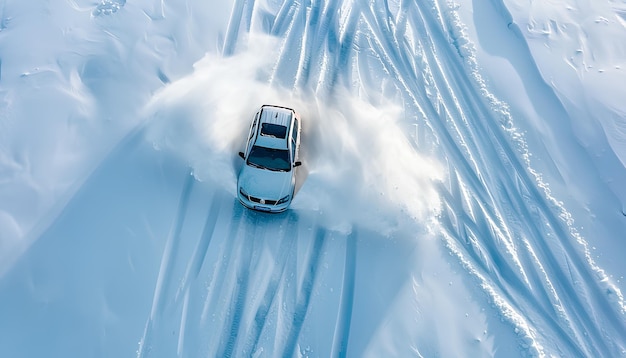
x: 277, y: 208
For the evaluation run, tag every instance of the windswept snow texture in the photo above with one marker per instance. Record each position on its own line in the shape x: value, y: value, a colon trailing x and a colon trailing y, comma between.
x: 462, y: 193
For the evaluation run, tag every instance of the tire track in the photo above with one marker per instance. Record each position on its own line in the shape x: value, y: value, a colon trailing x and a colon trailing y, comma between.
x: 287, y: 244
x: 207, y: 234
x: 234, y: 24
x: 532, y: 275
x: 341, y: 68
x: 537, y: 200
x: 491, y: 263
x: 189, y: 287
x: 217, y: 290
x: 306, y: 290
x: 183, y: 325
x: 422, y: 101
x: 504, y: 153
x: 199, y: 253
x: 281, y: 22
x: 500, y: 145
x: 286, y: 69
x: 168, y: 261
x: 344, y: 316
x: 254, y: 228
x: 318, y: 32
x: 400, y: 67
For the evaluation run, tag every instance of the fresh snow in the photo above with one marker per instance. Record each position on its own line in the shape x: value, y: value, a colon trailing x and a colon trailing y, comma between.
x: 462, y: 193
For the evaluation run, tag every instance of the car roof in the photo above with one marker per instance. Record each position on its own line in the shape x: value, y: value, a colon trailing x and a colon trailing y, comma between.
x: 271, y: 118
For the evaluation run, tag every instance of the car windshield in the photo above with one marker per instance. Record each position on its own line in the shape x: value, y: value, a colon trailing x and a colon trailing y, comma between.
x: 268, y: 158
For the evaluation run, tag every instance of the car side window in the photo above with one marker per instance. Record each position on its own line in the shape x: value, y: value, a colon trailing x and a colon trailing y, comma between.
x: 295, y: 130
x: 253, y: 128
x: 294, y: 139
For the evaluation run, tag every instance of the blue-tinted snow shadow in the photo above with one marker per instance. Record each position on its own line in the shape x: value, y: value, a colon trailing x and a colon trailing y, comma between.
x: 84, y: 287
x: 499, y: 36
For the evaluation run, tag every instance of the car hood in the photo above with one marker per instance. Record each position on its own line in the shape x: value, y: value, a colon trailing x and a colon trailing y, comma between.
x: 265, y: 184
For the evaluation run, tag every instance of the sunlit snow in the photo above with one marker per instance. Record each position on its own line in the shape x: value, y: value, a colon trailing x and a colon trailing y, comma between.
x: 462, y: 192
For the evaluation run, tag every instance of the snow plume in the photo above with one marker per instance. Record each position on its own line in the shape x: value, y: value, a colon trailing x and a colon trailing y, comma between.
x: 204, y: 117
x: 363, y: 168
x: 349, y: 146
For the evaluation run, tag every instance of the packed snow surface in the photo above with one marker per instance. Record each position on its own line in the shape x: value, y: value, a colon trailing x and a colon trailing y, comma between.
x: 463, y: 192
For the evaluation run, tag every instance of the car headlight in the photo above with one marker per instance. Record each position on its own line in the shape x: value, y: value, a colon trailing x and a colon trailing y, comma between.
x: 282, y: 200
x: 242, y: 192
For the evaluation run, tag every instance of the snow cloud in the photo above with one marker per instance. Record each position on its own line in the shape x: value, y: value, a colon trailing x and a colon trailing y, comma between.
x: 357, y: 160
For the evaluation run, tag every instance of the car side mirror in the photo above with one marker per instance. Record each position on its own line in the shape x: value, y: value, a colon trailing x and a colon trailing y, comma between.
x: 297, y: 164
x: 242, y: 155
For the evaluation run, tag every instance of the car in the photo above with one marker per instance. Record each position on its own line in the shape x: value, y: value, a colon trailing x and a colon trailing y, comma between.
x: 267, y: 179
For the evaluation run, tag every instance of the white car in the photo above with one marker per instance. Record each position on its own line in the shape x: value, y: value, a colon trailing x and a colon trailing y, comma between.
x: 267, y: 180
